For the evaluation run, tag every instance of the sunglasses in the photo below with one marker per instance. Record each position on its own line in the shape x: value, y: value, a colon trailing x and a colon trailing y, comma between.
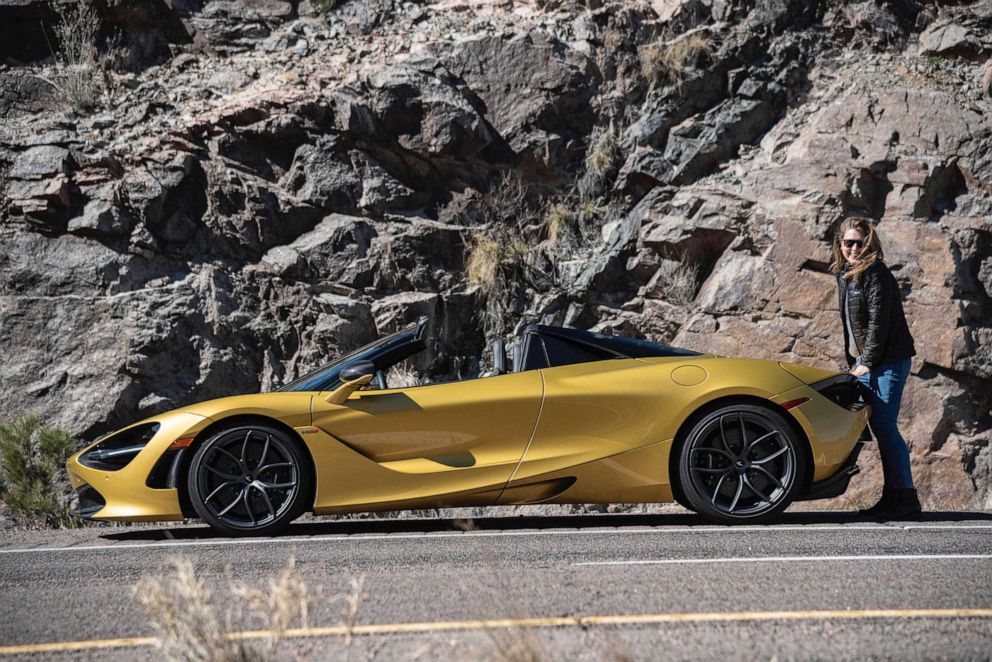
x: 851, y: 243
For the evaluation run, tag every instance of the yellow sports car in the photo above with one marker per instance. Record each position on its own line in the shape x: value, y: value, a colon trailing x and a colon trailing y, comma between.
x: 576, y: 417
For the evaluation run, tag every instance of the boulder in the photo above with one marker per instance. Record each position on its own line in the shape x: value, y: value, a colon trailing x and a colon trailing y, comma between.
x: 335, y: 251
x: 948, y: 38
x: 323, y: 175
x: 236, y: 25
x: 101, y: 216
x: 534, y: 90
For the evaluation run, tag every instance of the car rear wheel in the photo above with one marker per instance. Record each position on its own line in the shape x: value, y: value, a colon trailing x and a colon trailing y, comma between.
x: 741, y: 464
x: 249, y: 480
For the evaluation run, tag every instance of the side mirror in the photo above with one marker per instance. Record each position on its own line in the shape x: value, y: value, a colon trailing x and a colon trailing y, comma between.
x: 352, y: 377
x: 357, y: 370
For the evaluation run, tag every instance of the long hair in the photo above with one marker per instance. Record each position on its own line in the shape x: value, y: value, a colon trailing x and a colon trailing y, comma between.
x: 871, y: 253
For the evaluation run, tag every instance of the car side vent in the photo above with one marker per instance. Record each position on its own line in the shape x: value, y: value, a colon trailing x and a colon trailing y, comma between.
x: 88, y: 501
x: 116, y: 451
x: 165, y: 474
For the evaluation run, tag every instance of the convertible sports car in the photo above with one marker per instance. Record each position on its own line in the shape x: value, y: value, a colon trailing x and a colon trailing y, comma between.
x: 576, y: 417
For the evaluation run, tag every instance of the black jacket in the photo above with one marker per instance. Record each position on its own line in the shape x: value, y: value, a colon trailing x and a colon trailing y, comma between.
x: 877, y: 319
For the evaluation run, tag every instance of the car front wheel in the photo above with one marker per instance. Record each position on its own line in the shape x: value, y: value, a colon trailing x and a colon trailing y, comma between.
x: 741, y: 464
x: 249, y: 480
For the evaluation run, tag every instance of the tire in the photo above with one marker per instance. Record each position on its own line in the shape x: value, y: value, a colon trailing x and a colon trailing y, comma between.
x: 741, y: 464
x: 249, y: 480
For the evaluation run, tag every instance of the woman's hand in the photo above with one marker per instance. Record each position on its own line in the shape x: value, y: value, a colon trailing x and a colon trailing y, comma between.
x: 859, y: 370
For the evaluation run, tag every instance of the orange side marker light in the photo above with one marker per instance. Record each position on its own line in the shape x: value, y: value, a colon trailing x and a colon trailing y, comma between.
x: 181, y: 443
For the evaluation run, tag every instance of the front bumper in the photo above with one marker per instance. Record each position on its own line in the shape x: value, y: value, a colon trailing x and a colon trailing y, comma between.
x: 124, y: 494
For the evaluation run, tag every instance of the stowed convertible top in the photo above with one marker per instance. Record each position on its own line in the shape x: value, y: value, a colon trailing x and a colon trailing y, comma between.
x: 541, y: 346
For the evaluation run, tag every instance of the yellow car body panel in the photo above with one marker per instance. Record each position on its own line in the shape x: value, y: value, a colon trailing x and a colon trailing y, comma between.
x: 635, y: 476
x: 595, y: 412
x: 442, y: 439
x: 595, y: 432
x: 832, y: 436
x: 292, y: 408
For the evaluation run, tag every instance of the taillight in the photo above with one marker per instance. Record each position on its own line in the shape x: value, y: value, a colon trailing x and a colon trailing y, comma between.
x: 843, y: 390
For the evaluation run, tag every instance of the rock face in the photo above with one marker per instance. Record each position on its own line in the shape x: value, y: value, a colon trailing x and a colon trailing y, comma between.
x: 270, y: 185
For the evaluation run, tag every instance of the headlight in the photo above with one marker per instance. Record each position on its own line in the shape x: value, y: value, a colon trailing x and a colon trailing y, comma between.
x: 116, y: 451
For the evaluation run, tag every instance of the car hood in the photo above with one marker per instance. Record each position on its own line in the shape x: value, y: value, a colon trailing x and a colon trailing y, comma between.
x: 278, y: 404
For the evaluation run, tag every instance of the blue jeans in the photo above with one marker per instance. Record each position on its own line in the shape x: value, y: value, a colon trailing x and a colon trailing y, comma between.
x: 885, y: 383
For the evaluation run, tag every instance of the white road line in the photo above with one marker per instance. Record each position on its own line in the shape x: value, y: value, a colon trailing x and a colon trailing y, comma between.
x: 794, y: 559
x: 809, y: 528
x: 947, y: 526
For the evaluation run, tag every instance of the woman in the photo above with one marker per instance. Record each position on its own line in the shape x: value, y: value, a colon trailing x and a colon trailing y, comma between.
x: 878, y: 346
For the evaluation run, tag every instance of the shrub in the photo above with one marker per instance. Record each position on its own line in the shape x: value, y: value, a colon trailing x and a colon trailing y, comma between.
x: 498, y: 262
x: 32, y: 458
x: 666, y: 61
x: 82, y: 73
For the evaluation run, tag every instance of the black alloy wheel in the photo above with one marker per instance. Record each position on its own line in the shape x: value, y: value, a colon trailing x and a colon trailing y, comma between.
x: 741, y: 464
x: 249, y: 480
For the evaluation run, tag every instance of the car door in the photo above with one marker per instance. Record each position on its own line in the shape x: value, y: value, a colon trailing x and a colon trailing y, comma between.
x: 437, y: 445
x: 604, y: 435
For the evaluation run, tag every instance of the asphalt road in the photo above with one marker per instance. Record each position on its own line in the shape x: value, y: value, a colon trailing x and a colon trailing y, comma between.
x: 819, y: 585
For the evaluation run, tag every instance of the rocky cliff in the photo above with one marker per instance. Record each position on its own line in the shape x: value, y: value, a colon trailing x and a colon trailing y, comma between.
x: 225, y: 194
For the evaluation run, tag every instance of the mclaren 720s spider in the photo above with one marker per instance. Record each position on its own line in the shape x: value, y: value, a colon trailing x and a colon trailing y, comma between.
x: 574, y: 417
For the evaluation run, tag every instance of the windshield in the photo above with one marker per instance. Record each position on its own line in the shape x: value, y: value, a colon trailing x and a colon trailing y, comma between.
x: 325, y: 378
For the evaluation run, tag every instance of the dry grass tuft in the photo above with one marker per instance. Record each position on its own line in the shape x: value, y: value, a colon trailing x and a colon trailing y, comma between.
x: 352, y: 601
x: 603, y: 158
x: 518, y: 645
x: 485, y: 254
x: 184, y: 616
x: 612, y: 39
x: 499, y: 253
x: 676, y: 281
x: 557, y: 221
x: 281, y: 603
x: 666, y: 61
x: 191, y: 626
x: 590, y: 210
x: 82, y: 73
x: 604, y: 151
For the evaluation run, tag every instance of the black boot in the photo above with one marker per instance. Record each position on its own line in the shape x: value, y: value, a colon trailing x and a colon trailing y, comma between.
x: 906, y: 506
x: 886, y: 502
